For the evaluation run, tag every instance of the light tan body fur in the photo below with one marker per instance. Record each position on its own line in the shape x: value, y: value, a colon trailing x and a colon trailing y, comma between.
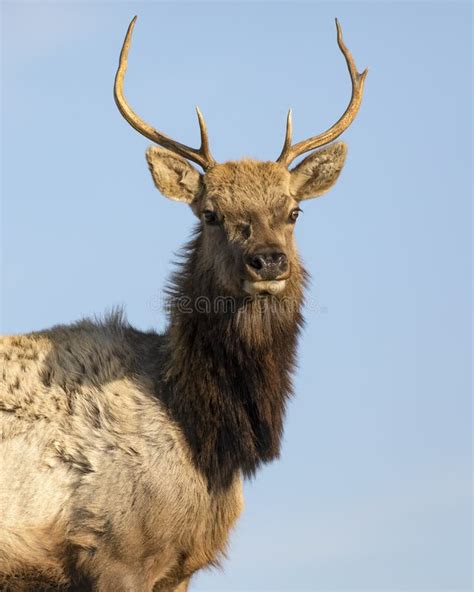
x: 92, y: 465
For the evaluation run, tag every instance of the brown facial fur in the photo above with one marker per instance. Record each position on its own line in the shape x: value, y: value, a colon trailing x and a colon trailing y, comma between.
x: 253, y: 203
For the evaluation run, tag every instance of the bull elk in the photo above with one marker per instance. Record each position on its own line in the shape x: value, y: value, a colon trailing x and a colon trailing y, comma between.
x: 123, y: 452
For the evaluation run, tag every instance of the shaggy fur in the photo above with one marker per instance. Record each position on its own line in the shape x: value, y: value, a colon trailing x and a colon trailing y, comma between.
x: 228, y: 391
x: 122, y: 452
x: 94, y: 472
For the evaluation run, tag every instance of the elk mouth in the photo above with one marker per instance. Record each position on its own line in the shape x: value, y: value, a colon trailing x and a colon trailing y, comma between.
x: 264, y: 287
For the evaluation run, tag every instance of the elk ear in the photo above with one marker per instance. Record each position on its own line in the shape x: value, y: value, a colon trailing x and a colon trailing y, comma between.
x: 174, y: 177
x: 318, y: 172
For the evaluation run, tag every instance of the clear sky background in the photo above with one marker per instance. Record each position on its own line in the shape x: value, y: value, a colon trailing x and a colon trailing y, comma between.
x: 373, y: 488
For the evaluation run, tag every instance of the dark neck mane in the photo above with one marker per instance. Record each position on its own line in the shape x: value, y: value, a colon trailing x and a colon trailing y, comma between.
x: 226, y: 371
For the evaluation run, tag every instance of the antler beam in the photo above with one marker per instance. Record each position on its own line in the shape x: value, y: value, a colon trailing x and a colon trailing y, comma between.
x: 289, y: 152
x: 201, y: 156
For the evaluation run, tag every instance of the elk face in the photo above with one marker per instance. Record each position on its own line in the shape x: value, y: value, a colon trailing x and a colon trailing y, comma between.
x: 248, y: 209
x: 248, y: 218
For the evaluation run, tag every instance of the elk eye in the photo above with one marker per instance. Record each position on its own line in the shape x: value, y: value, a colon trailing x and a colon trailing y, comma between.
x: 210, y: 217
x: 294, y: 214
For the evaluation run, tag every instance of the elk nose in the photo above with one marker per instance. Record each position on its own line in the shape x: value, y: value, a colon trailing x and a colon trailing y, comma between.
x: 267, y: 266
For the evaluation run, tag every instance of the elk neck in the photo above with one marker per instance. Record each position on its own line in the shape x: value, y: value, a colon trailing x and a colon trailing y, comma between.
x: 225, y: 369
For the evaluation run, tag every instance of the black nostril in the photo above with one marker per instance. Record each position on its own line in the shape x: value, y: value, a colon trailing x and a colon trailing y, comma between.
x: 281, y: 259
x: 256, y: 261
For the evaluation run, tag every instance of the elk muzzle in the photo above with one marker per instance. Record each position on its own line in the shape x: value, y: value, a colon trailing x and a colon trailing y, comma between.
x: 267, y: 272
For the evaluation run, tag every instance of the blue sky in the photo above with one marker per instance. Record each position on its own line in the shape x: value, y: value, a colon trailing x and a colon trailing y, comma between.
x: 373, y: 490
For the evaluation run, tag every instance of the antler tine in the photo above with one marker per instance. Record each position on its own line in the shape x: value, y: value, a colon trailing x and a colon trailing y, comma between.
x: 289, y: 152
x: 201, y: 156
x: 204, y: 148
x: 288, y: 134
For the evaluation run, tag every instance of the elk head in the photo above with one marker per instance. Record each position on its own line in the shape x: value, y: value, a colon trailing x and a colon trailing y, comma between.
x: 248, y: 209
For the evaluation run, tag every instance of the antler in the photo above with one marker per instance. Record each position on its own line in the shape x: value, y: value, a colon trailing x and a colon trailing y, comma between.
x: 289, y: 152
x: 201, y: 156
